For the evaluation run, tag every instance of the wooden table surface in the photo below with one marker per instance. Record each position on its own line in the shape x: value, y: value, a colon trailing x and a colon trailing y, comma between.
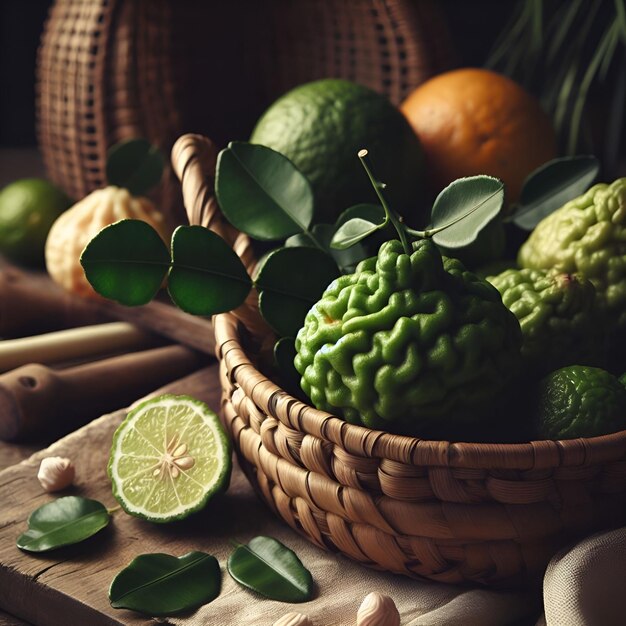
x: 11, y: 454
x: 25, y: 163
x: 68, y: 586
x: 17, y: 163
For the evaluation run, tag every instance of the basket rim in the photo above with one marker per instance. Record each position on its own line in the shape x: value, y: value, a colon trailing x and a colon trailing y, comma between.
x: 365, y: 442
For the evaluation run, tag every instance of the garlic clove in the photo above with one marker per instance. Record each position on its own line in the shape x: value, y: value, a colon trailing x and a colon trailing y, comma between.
x: 377, y: 610
x: 294, y: 619
x: 56, y: 473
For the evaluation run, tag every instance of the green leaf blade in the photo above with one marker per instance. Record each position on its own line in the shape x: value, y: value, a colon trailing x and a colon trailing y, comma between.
x: 63, y: 522
x: 127, y: 262
x: 262, y: 193
x: 463, y: 208
x: 207, y: 277
x: 352, y: 232
x: 161, y: 584
x: 136, y: 165
x: 346, y: 259
x: 371, y: 212
x: 290, y: 282
x: 549, y: 187
x: 271, y: 569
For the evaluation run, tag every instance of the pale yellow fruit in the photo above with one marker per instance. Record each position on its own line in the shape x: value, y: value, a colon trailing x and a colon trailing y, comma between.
x: 73, y: 230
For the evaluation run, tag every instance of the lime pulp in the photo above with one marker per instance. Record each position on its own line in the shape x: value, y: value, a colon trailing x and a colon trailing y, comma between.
x: 168, y: 457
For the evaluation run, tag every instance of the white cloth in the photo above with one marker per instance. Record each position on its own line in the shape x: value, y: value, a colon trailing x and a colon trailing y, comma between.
x: 586, y: 585
x: 342, y: 584
x: 583, y: 586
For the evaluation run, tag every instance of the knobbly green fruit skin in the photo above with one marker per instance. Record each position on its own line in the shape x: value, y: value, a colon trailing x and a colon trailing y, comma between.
x: 408, y: 343
x: 579, y: 401
x: 560, y: 320
x: 587, y: 235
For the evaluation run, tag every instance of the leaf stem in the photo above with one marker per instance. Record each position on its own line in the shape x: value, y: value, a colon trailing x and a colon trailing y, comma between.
x: 401, y: 229
x: 422, y: 234
x: 114, y: 509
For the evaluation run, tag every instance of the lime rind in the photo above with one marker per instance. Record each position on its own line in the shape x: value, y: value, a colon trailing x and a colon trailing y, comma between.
x: 162, y: 435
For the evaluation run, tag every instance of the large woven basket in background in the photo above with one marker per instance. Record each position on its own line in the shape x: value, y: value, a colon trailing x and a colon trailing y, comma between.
x: 450, y: 512
x: 114, y: 69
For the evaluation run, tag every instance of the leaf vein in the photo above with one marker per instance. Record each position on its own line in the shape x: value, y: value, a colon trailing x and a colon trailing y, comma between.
x: 294, y: 219
x: 155, y: 581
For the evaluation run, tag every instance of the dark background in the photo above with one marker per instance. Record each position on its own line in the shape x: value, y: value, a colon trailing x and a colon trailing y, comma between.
x: 21, y: 23
x: 474, y: 26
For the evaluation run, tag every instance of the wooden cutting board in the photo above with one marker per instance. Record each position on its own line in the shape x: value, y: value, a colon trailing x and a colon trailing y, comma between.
x: 69, y: 586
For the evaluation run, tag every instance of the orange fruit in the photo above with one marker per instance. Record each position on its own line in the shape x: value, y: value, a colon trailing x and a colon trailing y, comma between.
x: 474, y: 121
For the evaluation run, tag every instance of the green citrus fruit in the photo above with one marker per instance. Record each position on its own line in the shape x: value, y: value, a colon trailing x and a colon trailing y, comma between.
x: 322, y: 125
x: 413, y: 344
x: 168, y: 458
x: 28, y: 208
x: 578, y: 401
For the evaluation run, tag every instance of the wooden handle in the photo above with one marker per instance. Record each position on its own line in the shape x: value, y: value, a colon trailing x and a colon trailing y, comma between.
x: 168, y: 321
x: 84, y: 343
x: 31, y: 303
x: 36, y: 402
x: 194, y: 158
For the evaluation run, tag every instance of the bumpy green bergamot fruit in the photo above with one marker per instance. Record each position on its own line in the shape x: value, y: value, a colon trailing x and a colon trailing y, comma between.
x: 408, y: 343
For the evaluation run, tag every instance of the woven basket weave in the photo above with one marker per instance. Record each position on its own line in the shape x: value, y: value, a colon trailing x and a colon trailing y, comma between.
x: 114, y: 69
x: 450, y: 512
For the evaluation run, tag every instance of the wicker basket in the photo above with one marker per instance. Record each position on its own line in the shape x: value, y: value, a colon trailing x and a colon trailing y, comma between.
x: 113, y: 69
x: 449, y: 512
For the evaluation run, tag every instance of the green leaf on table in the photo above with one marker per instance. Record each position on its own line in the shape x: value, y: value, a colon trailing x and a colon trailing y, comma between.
x: 463, y: 208
x: 127, y: 262
x: 261, y: 192
x: 161, y: 584
x: 63, y: 522
x: 290, y: 282
x: 271, y: 569
x: 207, y: 276
x: 136, y: 165
x: 549, y: 187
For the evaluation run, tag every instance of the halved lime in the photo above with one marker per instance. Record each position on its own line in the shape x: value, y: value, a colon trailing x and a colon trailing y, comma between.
x: 168, y: 457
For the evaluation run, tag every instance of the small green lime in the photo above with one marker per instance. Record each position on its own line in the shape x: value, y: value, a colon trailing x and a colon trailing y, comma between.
x: 168, y: 458
x: 578, y: 401
x: 28, y: 208
x: 322, y: 125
